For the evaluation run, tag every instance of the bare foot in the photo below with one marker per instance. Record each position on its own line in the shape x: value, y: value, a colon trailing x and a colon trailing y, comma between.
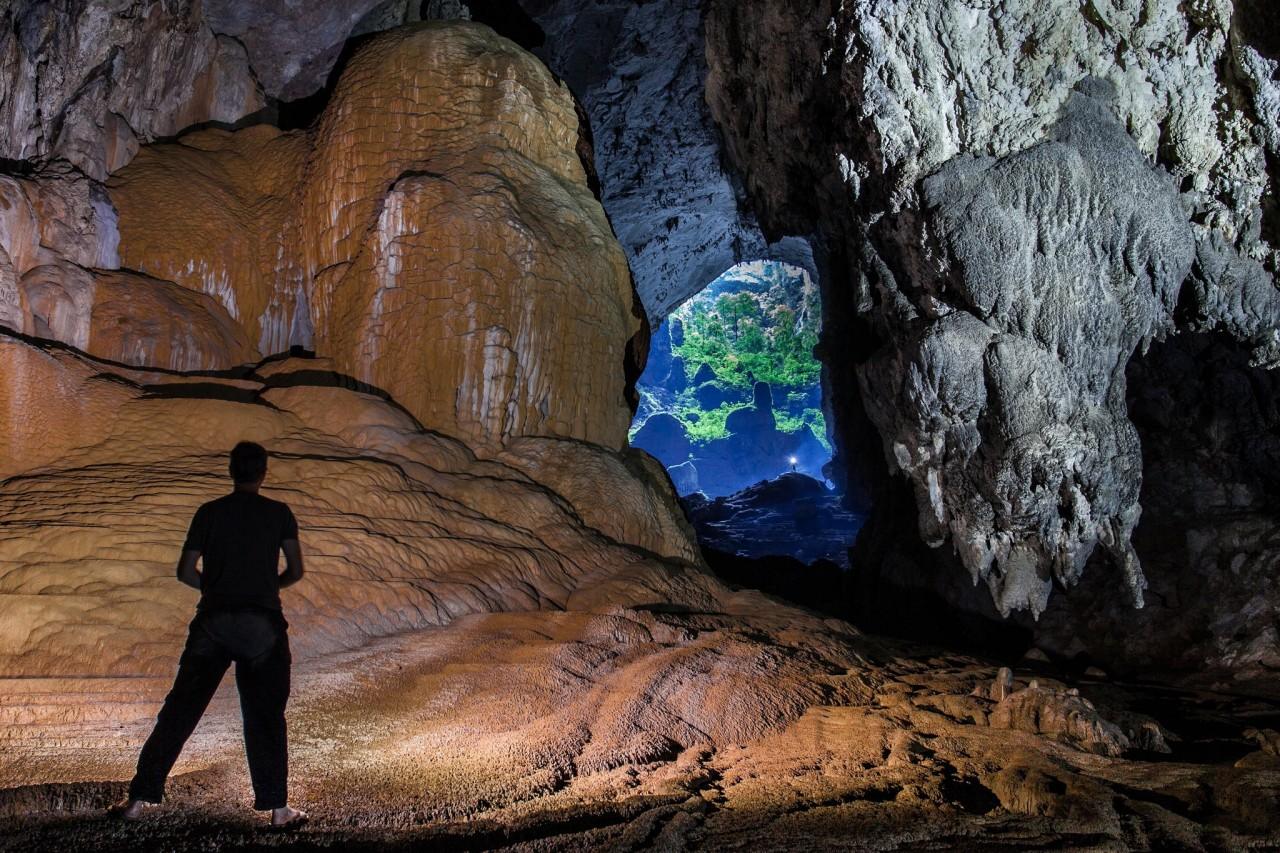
x: 131, y: 809
x: 287, y: 817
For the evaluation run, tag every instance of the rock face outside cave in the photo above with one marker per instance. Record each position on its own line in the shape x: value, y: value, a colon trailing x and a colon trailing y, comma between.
x: 792, y: 514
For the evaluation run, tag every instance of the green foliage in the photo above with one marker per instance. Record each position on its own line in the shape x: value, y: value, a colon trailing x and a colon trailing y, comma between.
x: 810, y: 418
x: 748, y: 337
x: 702, y: 425
x: 757, y: 323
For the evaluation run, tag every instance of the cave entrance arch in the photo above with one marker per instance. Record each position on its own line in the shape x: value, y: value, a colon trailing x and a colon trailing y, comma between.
x: 731, y: 403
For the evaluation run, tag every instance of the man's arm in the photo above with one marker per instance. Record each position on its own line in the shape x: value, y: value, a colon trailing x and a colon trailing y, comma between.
x: 187, y: 572
x: 292, y: 562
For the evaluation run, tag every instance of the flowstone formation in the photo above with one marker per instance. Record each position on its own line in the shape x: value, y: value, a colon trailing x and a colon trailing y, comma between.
x: 1019, y: 198
x: 435, y: 242
x: 104, y: 466
x: 434, y: 236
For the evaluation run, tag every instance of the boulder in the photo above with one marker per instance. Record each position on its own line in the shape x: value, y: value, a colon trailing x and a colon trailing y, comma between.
x: 1061, y: 716
x: 663, y: 436
x: 713, y: 395
x: 677, y: 381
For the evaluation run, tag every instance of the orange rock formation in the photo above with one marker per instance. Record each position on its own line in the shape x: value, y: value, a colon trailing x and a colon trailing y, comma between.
x: 403, y: 528
x: 434, y: 236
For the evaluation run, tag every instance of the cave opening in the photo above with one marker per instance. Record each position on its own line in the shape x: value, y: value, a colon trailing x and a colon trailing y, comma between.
x: 731, y: 402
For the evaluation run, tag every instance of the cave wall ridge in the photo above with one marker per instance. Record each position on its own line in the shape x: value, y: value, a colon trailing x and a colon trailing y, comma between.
x: 88, y: 82
x: 639, y: 70
x: 434, y: 235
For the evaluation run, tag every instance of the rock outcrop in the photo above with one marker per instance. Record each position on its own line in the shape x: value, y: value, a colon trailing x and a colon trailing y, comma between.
x: 1014, y: 199
x: 434, y: 236
x: 88, y: 82
x: 1211, y: 481
x: 791, y: 514
x: 455, y: 448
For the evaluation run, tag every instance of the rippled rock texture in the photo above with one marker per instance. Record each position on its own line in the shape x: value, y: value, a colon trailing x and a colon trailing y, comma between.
x: 457, y: 446
x: 404, y: 528
x: 434, y: 236
x: 755, y: 726
x: 1017, y: 198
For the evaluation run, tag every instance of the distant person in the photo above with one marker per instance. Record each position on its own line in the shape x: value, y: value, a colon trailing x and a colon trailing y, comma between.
x: 239, y: 537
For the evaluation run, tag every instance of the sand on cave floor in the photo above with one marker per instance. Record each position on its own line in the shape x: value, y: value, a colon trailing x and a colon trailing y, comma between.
x: 627, y: 729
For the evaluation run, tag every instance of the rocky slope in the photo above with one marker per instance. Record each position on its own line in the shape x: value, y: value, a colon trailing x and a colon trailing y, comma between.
x: 625, y: 729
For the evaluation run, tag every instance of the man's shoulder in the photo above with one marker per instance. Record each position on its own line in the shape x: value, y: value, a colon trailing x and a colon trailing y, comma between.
x: 255, y: 499
x: 209, y: 506
x: 274, y: 504
x: 276, y: 509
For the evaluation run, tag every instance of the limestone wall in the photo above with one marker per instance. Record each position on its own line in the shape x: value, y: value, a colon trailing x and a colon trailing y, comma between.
x: 1015, y: 199
x: 434, y: 235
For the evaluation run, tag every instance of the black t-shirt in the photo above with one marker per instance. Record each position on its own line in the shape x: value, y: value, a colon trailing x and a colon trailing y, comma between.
x: 238, y: 537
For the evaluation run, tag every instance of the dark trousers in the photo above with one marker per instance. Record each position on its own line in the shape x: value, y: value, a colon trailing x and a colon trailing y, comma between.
x: 259, y: 644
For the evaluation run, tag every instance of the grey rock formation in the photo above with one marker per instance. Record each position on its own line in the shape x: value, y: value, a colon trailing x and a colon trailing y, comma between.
x: 1004, y: 230
x: 639, y: 71
x: 293, y: 46
x: 1007, y: 407
x: 1209, y: 424
x: 88, y: 81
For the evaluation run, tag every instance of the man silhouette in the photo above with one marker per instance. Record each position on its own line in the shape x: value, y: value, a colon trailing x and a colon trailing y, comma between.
x: 239, y: 537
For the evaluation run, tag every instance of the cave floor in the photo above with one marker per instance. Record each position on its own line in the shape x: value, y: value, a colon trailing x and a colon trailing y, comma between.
x: 637, y: 730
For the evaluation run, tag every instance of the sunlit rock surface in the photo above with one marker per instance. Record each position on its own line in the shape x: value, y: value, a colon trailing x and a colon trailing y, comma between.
x: 1017, y: 199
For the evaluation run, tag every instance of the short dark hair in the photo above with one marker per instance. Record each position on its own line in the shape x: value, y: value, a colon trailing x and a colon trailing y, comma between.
x: 248, y: 462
